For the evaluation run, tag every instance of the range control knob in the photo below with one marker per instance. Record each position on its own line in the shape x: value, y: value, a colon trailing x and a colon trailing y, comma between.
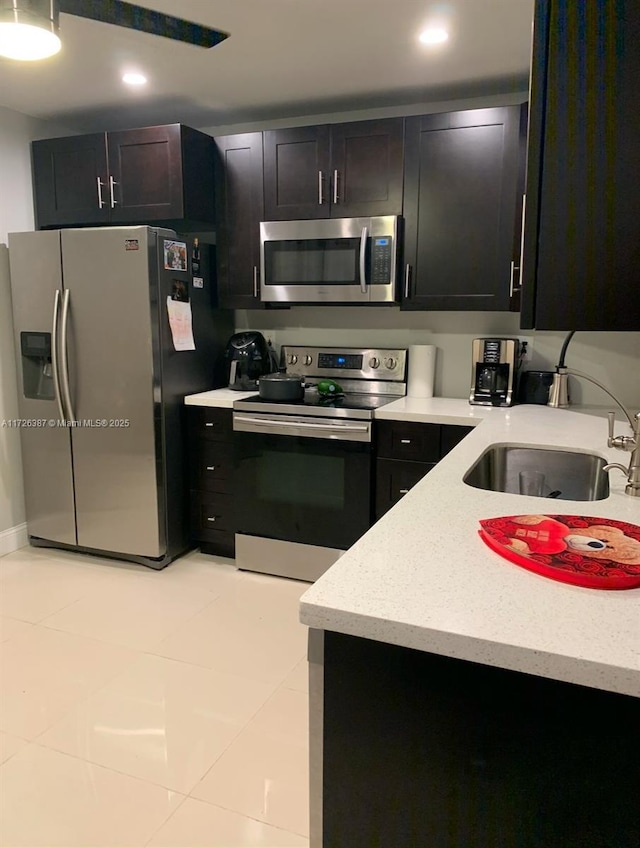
x: 308, y: 359
x: 390, y: 363
x: 374, y: 362
x: 292, y: 359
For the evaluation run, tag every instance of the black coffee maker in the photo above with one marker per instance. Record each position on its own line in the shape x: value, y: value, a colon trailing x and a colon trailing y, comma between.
x: 494, y: 369
x: 248, y: 357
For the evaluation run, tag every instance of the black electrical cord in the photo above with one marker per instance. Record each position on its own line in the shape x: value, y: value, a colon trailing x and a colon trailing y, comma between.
x: 565, y: 345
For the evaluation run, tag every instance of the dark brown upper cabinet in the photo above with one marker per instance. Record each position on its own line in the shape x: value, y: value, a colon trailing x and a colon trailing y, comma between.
x: 582, y: 229
x: 239, y: 210
x: 71, y: 181
x: 151, y: 175
x: 336, y: 171
x: 461, y: 209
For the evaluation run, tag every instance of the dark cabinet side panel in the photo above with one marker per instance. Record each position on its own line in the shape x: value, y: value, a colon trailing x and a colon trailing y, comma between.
x: 589, y: 206
x: 240, y: 208
x: 424, y: 751
x: 66, y: 172
x: 296, y: 173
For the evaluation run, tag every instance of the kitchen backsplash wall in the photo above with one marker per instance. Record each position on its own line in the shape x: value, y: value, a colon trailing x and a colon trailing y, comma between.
x: 612, y: 358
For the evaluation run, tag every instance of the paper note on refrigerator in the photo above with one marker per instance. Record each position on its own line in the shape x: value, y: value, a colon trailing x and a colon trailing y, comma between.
x: 180, y: 323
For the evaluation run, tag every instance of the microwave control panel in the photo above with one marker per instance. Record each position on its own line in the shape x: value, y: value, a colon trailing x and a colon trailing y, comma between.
x: 381, y: 259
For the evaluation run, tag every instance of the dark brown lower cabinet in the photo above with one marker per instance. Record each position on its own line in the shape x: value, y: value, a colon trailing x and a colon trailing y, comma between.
x: 211, y: 480
x: 424, y: 751
x: 405, y: 452
x: 394, y: 478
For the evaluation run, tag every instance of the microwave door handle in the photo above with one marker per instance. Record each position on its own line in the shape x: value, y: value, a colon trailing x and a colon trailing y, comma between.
x: 363, y: 260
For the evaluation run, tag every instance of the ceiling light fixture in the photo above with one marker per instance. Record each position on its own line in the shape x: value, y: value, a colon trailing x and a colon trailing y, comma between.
x: 29, y: 29
x: 134, y: 79
x: 434, y: 35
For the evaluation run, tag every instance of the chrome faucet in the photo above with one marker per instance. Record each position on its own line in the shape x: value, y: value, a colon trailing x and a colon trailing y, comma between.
x: 559, y: 398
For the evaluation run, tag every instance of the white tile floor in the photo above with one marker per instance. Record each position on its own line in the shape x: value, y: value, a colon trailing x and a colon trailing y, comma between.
x: 150, y: 708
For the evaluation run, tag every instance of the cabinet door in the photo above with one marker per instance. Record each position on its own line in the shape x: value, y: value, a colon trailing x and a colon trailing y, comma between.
x: 583, y: 204
x: 71, y: 181
x: 296, y: 174
x: 366, y: 168
x: 394, y: 479
x: 145, y: 173
x: 240, y: 208
x: 461, y: 171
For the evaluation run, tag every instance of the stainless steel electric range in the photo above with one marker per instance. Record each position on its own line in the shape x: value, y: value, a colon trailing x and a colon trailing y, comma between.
x: 304, y: 470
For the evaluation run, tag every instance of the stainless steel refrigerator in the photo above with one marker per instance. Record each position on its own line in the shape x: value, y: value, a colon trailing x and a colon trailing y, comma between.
x: 101, y: 384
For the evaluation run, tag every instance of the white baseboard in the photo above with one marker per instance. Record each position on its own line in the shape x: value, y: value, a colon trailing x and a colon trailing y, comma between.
x: 13, y: 539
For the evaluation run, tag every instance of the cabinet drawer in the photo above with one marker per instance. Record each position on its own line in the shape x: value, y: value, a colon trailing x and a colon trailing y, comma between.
x: 219, y: 543
x: 211, y: 512
x: 408, y: 440
x: 210, y: 423
x: 211, y: 466
x: 452, y: 434
x: 394, y: 478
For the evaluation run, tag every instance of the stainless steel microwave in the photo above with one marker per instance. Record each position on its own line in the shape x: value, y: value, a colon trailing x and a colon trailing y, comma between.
x: 338, y: 260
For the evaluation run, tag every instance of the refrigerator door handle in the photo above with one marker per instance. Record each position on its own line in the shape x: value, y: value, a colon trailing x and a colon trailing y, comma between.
x: 54, y: 354
x: 66, y: 390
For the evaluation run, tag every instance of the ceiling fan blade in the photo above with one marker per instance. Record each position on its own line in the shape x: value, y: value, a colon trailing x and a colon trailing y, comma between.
x: 145, y: 20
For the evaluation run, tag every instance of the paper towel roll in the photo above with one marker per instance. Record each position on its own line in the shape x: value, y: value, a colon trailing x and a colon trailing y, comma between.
x: 422, y: 369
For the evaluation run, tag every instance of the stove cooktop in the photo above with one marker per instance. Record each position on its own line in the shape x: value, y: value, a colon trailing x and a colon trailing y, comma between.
x: 349, y: 405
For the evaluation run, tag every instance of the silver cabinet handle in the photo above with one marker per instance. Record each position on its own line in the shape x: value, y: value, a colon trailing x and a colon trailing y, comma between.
x: 407, y: 279
x: 112, y: 183
x: 211, y: 468
x: 209, y: 424
x: 336, y: 176
x: 514, y: 268
x: 363, y: 260
x: 255, y: 281
x: 403, y: 491
x: 64, y: 355
x: 54, y: 354
x: 524, y: 215
x: 212, y: 518
x: 320, y: 191
x: 405, y: 441
x: 100, y: 200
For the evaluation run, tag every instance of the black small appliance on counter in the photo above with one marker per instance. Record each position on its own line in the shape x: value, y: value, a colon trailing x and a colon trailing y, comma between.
x: 534, y: 386
x: 494, y: 370
x: 248, y: 357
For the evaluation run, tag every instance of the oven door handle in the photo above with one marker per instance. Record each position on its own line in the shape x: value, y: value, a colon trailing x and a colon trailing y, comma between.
x: 363, y: 260
x: 264, y: 425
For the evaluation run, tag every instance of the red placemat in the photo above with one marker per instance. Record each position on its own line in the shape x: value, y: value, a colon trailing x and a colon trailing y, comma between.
x: 599, y: 553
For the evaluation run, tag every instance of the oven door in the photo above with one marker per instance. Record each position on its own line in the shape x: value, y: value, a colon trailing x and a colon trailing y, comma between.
x: 301, y: 479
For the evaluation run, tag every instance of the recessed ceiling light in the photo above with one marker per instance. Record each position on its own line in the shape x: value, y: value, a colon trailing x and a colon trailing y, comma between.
x: 26, y: 42
x: 134, y: 79
x: 434, y: 35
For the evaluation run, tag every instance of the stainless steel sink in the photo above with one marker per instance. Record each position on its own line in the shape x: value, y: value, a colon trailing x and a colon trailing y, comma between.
x: 567, y: 475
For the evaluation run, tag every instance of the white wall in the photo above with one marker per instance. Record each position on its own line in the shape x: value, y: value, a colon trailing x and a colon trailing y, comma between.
x: 370, y: 114
x: 16, y: 214
x: 612, y: 358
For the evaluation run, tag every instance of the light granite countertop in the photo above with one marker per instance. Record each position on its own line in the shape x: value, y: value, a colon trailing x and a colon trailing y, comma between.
x: 422, y: 577
x: 218, y: 398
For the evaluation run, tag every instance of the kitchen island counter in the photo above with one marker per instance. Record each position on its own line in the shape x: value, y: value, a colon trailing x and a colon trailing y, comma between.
x: 423, y: 579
